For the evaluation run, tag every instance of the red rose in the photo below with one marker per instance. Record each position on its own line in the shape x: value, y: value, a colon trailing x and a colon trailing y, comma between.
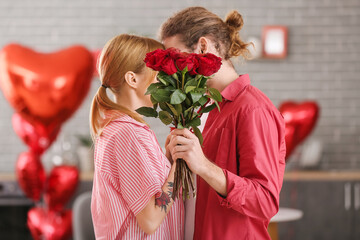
x: 168, y: 63
x: 208, y: 64
x: 194, y: 58
x: 174, y: 53
x: 161, y: 60
x: 188, y: 60
x: 153, y: 59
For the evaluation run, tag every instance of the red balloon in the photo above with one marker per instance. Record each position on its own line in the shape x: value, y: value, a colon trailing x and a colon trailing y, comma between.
x: 31, y: 175
x: 45, y: 87
x: 37, y: 136
x: 290, y: 139
x: 300, y: 120
x: 49, y: 225
x: 61, y: 186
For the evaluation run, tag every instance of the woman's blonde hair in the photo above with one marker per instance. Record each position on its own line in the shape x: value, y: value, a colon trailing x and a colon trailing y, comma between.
x: 195, y: 22
x: 121, y: 54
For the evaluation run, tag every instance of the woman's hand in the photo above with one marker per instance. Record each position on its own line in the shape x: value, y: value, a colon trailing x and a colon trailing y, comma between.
x: 181, y: 143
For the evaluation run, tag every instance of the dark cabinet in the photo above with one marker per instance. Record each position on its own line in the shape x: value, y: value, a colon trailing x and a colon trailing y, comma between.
x: 356, y: 209
x: 331, y: 209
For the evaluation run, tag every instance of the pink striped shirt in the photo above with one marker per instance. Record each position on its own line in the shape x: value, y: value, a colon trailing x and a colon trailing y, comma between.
x: 130, y: 168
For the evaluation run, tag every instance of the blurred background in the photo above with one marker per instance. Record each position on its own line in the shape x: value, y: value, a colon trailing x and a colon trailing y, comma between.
x: 321, y: 65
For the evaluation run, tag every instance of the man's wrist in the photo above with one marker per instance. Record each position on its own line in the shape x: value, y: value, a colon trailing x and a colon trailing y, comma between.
x: 214, y: 176
x: 205, y: 168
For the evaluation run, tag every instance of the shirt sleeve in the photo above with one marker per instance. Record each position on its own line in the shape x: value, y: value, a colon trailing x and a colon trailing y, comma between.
x: 137, y: 163
x: 261, y: 147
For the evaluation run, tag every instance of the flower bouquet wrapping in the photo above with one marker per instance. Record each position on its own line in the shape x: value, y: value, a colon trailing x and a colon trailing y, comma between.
x: 182, y: 96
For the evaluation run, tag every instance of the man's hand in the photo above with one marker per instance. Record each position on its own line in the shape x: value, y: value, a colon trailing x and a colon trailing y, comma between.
x: 181, y: 143
x: 185, y: 145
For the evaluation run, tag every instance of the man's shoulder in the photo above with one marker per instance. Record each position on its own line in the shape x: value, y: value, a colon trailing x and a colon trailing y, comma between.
x: 252, y: 99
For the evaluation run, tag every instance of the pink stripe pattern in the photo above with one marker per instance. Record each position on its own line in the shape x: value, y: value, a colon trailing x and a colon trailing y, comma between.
x: 130, y: 168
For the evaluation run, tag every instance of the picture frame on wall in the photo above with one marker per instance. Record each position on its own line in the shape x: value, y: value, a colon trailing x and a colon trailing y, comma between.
x: 274, y: 42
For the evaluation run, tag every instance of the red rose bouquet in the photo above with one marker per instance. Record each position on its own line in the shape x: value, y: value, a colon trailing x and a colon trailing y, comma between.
x: 182, y: 96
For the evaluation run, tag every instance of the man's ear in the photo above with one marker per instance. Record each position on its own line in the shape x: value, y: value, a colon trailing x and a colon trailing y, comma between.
x: 130, y: 79
x: 202, y: 45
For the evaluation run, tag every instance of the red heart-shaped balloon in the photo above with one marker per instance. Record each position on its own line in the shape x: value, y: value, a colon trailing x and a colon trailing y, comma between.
x: 61, y: 185
x: 36, y: 135
x: 300, y: 120
x: 31, y: 175
x: 290, y: 139
x: 45, y: 87
x: 49, y: 225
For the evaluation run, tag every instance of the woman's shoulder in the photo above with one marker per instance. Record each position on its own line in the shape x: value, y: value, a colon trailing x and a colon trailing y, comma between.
x: 129, y: 130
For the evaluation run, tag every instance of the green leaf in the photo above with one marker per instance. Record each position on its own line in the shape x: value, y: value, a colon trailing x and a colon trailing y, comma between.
x: 195, y: 96
x: 191, y: 82
x: 197, y: 133
x: 171, y: 88
x: 215, y: 94
x: 153, y: 100
x: 188, y: 110
x: 175, y: 76
x: 177, y: 97
x: 217, y: 105
x: 200, y: 90
x: 153, y: 87
x: 194, y: 123
x: 166, y: 79
x: 165, y: 117
x: 178, y: 108
x: 147, y: 112
x: 173, y: 110
x: 208, y: 108
x: 203, y: 100
x: 189, y: 88
x: 165, y: 107
x: 155, y: 106
x: 188, y: 102
x: 180, y: 126
x: 162, y: 95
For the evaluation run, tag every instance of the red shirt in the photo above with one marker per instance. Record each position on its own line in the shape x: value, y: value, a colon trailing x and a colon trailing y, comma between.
x: 130, y: 168
x: 247, y: 140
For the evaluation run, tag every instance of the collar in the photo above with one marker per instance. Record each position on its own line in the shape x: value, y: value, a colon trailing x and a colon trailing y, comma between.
x: 233, y: 89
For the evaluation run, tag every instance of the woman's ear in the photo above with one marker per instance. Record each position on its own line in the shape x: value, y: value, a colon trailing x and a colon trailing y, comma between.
x: 130, y: 79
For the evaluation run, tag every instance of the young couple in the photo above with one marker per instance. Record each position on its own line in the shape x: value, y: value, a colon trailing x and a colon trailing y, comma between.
x: 239, y: 167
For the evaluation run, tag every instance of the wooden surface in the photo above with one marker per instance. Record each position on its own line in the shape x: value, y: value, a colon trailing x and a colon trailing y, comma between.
x: 273, y: 231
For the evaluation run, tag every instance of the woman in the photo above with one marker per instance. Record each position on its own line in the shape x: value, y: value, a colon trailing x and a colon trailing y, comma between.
x: 133, y: 179
x: 241, y: 163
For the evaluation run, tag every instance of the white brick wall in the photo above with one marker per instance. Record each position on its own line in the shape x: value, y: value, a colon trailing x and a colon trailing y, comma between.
x: 322, y: 65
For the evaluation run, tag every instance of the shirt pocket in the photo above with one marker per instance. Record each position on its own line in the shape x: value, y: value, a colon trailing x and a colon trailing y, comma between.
x: 224, y: 147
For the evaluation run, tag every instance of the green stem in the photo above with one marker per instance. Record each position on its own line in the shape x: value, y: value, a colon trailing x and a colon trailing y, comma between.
x: 192, y: 114
x: 182, y: 80
x: 183, y: 120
